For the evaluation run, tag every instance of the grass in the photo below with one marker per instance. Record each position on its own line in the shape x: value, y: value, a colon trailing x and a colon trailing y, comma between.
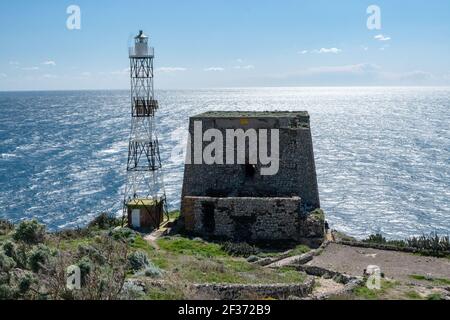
x: 318, y: 214
x: 436, y: 281
x: 435, y: 296
x: 165, y: 293
x: 141, y: 244
x: 185, y: 246
x: 183, y: 260
x: 296, y: 251
x: 413, y: 295
x: 71, y: 244
x: 368, y: 294
x: 230, y: 271
x: 299, y: 250
x: 197, y: 261
x: 174, y: 215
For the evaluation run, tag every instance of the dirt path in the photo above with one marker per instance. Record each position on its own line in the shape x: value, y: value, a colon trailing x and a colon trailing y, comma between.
x: 152, y: 237
x: 395, y: 265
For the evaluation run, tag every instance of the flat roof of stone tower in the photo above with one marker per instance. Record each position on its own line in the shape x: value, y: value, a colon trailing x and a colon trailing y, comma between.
x: 254, y: 114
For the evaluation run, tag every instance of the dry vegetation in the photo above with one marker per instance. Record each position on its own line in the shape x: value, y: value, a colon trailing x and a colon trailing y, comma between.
x: 117, y: 263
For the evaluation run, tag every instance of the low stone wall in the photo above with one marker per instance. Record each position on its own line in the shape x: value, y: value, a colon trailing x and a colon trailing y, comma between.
x: 387, y: 247
x: 251, y: 219
x: 255, y: 291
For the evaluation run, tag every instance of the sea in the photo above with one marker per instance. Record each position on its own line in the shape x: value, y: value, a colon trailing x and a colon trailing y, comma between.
x: 382, y: 153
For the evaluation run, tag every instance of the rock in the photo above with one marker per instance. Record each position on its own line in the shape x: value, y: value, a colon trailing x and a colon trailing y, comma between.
x: 372, y: 269
x: 252, y: 259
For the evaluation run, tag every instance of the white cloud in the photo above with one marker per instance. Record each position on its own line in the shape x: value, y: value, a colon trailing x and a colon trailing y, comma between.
x: 352, y: 69
x: 50, y: 76
x: 239, y: 60
x: 416, y: 77
x: 121, y: 72
x: 3, y: 75
x: 171, y: 69
x: 30, y: 69
x: 219, y: 69
x: 322, y: 50
x: 381, y: 37
x: 49, y: 63
x: 247, y: 67
x: 365, y: 48
x: 328, y: 50
x: 86, y: 74
x: 14, y: 63
x: 359, y: 74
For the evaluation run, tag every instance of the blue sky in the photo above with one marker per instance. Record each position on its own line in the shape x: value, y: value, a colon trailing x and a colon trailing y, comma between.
x: 218, y: 43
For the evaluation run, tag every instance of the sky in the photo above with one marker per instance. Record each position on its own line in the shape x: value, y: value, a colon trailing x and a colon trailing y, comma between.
x: 225, y: 43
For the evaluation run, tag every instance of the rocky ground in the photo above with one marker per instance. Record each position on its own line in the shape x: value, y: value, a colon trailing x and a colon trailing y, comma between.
x: 403, y: 275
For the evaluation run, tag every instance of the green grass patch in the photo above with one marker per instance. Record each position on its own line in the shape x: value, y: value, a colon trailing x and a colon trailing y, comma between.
x: 296, y: 251
x: 318, y: 214
x: 369, y: 294
x: 174, y: 215
x: 413, y: 295
x: 71, y: 244
x: 165, y: 293
x: 185, y: 246
x: 299, y: 250
x: 141, y: 244
x: 435, y: 296
x: 436, y: 281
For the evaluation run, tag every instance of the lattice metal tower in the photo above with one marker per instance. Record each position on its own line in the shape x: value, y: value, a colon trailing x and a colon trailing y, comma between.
x: 145, y: 181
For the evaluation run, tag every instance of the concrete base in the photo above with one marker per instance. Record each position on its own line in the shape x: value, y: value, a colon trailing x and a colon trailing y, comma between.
x: 252, y: 219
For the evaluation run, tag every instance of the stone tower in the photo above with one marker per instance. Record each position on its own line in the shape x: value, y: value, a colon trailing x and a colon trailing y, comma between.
x: 239, y: 202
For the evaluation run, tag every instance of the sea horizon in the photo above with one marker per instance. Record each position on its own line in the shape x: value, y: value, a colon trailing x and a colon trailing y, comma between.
x: 231, y: 88
x: 66, y: 164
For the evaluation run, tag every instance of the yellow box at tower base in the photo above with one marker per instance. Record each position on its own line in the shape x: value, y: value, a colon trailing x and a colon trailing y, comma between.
x: 145, y: 214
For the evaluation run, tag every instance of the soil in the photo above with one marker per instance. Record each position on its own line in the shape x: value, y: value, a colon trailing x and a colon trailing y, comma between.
x: 394, y: 265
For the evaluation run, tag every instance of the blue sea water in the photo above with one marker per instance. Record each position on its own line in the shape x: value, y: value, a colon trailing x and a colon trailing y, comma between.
x: 382, y: 154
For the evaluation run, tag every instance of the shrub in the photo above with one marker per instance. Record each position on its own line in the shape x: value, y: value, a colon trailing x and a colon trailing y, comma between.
x: 86, y: 266
x: 21, y: 255
x: 433, y: 243
x: 92, y: 253
x: 131, y: 291
x: 252, y: 258
x: 240, y: 249
x: 435, y: 296
x: 153, y: 271
x: 6, y: 263
x: 138, y: 260
x: 25, y: 282
x: 123, y: 234
x: 7, y: 292
x: 5, y: 227
x: 39, y: 257
x: 104, y: 221
x: 376, y: 238
x: 30, y: 232
x: 9, y: 248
